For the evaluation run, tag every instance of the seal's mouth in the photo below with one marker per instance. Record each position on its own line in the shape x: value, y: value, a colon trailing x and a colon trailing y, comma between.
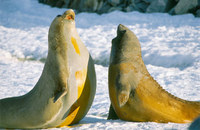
x: 69, y: 17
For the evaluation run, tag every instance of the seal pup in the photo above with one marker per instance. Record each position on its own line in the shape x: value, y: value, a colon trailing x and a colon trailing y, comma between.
x: 134, y: 94
x: 65, y: 91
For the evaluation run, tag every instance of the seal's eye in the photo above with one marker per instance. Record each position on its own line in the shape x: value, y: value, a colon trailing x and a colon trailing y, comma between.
x: 58, y: 15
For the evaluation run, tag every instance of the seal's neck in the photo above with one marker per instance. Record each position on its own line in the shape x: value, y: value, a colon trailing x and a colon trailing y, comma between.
x: 124, y: 54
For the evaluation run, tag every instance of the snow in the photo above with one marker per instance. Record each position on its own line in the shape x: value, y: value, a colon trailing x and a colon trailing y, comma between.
x: 170, y: 49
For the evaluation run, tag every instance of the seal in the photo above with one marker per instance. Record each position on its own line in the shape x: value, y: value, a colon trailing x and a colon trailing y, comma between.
x: 134, y: 94
x: 195, y: 125
x: 66, y: 88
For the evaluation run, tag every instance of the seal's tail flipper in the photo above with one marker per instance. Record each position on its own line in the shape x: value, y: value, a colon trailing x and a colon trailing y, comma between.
x: 112, y: 114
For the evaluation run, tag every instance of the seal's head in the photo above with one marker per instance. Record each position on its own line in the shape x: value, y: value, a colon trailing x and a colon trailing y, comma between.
x: 125, y: 37
x: 125, y: 45
x: 60, y: 28
x: 69, y: 15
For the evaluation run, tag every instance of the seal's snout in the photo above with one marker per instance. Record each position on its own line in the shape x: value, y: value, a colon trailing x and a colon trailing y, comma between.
x: 121, y: 30
x: 68, y: 17
x: 121, y: 27
x: 69, y: 14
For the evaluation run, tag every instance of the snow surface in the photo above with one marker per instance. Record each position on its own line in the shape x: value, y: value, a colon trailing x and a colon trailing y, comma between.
x: 170, y: 49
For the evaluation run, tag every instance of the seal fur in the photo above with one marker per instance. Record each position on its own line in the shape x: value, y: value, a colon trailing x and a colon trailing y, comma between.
x: 134, y: 94
x: 65, y: 90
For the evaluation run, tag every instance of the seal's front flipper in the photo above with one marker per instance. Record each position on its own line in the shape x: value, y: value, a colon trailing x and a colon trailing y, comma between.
x: 123, y: 97
x: 112, y: 114
x: 60, y: 91
x: 123, y: 90
x: 60, y: 94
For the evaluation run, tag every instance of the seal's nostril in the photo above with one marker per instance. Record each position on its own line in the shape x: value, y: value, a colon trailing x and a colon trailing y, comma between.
x: 58, y: 15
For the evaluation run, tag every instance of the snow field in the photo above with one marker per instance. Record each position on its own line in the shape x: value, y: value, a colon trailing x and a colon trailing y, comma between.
x: 170, y: 49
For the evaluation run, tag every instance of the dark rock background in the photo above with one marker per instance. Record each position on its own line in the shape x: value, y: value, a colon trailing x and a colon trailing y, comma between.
x: 174, y: 7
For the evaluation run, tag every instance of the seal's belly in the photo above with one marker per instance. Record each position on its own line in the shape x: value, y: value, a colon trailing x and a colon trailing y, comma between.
x: 78, y: 110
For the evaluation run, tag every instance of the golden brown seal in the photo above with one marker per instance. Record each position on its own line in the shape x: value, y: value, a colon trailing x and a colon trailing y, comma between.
x: 134, y: 94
